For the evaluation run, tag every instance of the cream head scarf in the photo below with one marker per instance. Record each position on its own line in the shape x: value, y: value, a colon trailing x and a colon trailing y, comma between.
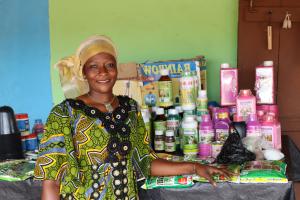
x: 70, y: 68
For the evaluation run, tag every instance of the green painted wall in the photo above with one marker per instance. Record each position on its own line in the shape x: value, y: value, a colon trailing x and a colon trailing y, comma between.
x: 148, y: 30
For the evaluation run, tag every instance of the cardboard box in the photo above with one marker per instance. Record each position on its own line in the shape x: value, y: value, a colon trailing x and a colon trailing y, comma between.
x: 149, y: 74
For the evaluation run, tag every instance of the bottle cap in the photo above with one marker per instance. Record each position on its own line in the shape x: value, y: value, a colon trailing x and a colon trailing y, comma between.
x: 160, y: 111
x: 189, y: 118
x: 21, y: 116
x: 159, y: 132
x: 225, y: 65
x: 202, y: 94
x: 153, y: 109
x: 38, y: 121
x: 179, y: 109
x: 268, y: 63
x: 169, y: 133
x: 164, y: 72
x: 172, y: 112
x: 245, y: 92
x: 237, y: 118
x: 205, y: 118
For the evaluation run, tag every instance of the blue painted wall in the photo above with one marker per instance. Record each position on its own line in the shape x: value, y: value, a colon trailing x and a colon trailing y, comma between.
x: 25, y: 57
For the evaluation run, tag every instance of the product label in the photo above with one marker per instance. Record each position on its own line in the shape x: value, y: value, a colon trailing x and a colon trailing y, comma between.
x: 264, y: 85
x: 190, y: 142
x: 222, y: 134
x: 206, y: 136
x: 245, y: 107
x: 160, y: 125
x: 187, y: 90
x: 170, y: 147
x: 159, y: 145
x: 267, y: 134
x: 253, y: 131
x: 172, y: 124
x: 216, y: 149
x: 165, y: 93
x: 23, y: 125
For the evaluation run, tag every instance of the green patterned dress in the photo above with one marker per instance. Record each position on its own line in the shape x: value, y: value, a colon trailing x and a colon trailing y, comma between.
x: 95, y: 155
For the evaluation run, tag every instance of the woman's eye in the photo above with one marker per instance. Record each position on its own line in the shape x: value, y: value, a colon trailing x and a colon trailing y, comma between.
x: 110, y: 65
x: 92, y: 66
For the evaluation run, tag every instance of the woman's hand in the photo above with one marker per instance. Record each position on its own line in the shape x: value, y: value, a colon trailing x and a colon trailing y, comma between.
x: 208, y: 171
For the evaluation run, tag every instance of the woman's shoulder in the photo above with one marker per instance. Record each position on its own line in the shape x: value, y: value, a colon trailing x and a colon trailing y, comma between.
x: 62, y: 107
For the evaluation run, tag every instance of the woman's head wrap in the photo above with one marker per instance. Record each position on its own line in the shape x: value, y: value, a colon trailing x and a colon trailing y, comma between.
x: 71, y: 68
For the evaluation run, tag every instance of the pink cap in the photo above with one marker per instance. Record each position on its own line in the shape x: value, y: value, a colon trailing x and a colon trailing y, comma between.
x: 205, y: 118
x: 237, y: 118
x: 245, y: 92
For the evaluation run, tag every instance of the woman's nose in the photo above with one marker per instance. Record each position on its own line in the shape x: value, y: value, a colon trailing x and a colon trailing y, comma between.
x: 102, y: 70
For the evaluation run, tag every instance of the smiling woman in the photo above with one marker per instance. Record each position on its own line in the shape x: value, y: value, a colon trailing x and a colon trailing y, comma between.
x: 95, y: 145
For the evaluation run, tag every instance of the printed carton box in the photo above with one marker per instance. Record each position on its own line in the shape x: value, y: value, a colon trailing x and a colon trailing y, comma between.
x: 149, y: 74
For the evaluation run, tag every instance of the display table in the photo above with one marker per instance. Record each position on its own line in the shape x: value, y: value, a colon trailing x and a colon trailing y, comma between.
x: 31, y: 190
x: 226, y: 191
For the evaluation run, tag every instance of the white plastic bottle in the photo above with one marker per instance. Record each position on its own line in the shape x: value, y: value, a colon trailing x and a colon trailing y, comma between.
x: 190, y: 137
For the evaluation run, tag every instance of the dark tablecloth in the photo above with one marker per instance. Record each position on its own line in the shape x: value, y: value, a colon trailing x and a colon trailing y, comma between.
x: 30, y: 190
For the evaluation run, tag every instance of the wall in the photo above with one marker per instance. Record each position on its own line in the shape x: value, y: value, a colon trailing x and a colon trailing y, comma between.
x: 24, y: 57
x: 148, y: 30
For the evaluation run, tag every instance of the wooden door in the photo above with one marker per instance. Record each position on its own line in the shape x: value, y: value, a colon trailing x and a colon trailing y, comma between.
x: 254, y: 17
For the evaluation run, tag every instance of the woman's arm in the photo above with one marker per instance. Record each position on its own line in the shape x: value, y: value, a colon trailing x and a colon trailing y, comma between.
x: 50, y: 190
x: 160, y: 167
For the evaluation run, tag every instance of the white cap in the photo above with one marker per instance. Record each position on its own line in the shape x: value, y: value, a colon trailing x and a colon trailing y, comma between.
x: 189, y: 118
x: 179, y: 109
x: 160, y: 111
x: 268, y: 63
x: 159, y: 132
x: 154, y: 108
x: 169, y: 133
x: 225, y: 65
x: 172, y: 112
x: 202, y: 94
x: 164, y: 72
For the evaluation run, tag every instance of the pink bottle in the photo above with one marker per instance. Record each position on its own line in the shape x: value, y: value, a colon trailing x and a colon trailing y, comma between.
x: 264, y: 83
x: 245, y: 104
x: 222, y: 126
x: 206, y: 136
x: 271, y: 131
x: 229, y: 84
x: 253, y: 126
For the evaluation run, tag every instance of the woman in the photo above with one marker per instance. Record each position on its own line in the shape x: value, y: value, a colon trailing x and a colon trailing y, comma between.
x: 95, y: 145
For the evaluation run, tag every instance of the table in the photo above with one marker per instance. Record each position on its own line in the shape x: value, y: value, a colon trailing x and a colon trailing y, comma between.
x: 31, y: 190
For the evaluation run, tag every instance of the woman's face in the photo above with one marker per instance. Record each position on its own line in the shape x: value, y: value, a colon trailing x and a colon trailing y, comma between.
x: 101, y: 72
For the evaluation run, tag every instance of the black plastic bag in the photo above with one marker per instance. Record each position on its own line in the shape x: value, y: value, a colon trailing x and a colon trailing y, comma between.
x: 233, y: 151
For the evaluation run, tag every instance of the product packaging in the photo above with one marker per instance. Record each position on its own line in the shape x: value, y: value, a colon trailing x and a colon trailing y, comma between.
x: 168, y: 182
x: 229, y: 84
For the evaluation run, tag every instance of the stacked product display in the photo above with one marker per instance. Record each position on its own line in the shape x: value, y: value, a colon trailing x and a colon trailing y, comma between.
x: 200, y: 132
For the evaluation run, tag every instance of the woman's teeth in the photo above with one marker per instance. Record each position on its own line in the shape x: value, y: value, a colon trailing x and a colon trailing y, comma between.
x: 105, y: 81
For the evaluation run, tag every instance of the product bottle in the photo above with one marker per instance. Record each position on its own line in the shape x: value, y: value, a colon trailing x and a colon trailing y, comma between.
x: 38, y: 129
x: 253, y: 126
x: 229, y: 84
x: 264, y: 83
x: 239, y: 125
x: 271, y: 131
x: 159, y: 143
x: 187, y: 91
x: 245, y: 104
x: 206, y: 136
x: 201, y: 104
x: 159, y: 122
x: 222, y: 126
x: 170, y: 145
x: 190, y: 137
x: 173, y: 124
x: 165, y: 93
x: 147, y: 120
